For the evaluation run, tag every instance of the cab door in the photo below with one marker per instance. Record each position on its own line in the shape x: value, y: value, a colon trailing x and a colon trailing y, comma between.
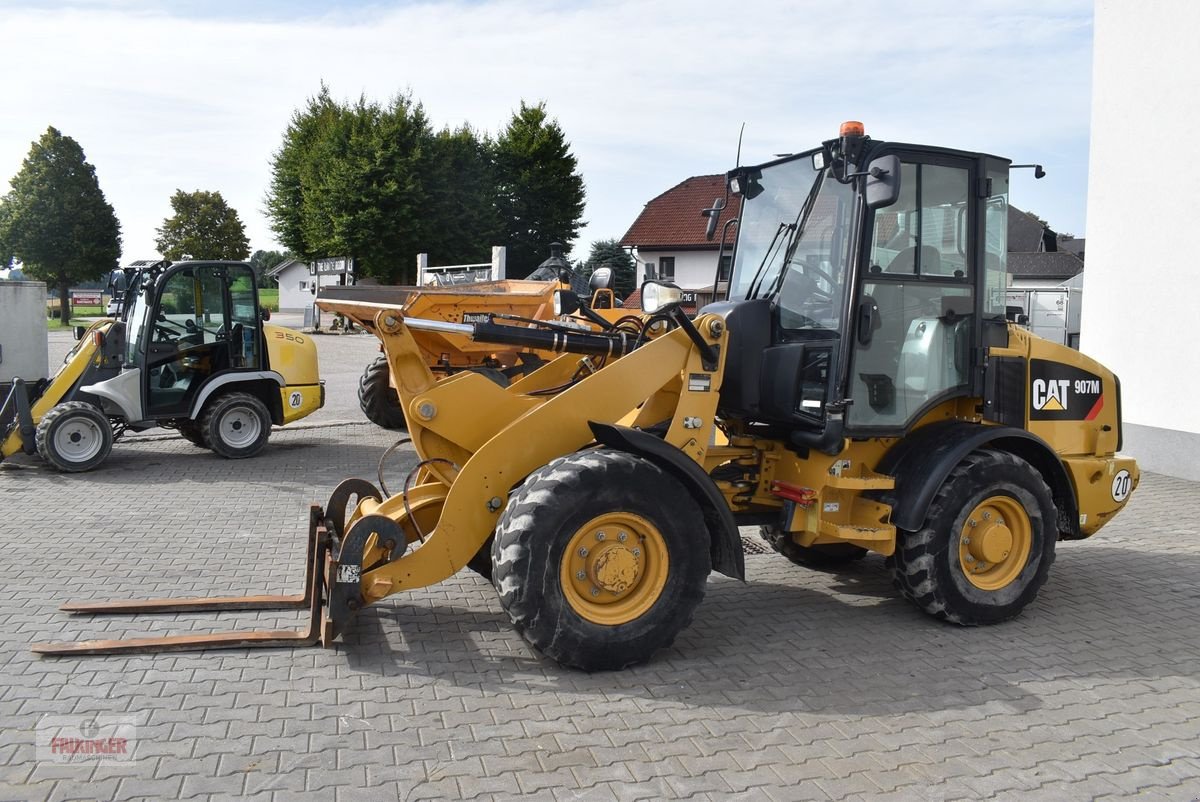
x: 915, y: 327
x: 204, y: 324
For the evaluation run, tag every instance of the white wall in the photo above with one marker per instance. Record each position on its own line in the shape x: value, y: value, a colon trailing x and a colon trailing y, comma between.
x: 23, y: 346
x: 693, y: 269
x: 291, y: 297
x: 1141, y: 310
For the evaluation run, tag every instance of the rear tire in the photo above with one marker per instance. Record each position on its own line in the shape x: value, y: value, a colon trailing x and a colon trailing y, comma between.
x: 74, y: 437
x: 600, y: 559
x: 236, y: 425
x: 823, y: 556
x: 378, y: 399
x: 191, y: 431
x: 987, y: 545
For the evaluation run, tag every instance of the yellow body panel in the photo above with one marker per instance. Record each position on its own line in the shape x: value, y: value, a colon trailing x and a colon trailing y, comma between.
x: 292, y: 355
x: 299, y: 401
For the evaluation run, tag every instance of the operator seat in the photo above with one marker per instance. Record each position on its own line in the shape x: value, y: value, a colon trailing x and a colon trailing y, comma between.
x: 905, y: 262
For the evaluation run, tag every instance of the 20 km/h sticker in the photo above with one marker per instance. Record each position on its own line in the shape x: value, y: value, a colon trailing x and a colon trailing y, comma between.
x: 1121, y: 485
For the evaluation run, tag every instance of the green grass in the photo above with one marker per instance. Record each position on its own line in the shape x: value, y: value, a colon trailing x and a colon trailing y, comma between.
x: 267, y: 297
x: 77, y: 312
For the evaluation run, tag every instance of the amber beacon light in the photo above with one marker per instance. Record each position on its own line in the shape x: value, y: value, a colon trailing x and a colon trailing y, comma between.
x: 852, y: 128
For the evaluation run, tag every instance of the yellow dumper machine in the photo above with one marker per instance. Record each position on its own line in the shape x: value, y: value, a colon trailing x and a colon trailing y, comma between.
x: 859, y: 391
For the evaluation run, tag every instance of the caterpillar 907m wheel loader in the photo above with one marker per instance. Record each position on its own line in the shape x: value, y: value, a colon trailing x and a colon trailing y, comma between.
x: 190, y: 353
x: 868, y: 393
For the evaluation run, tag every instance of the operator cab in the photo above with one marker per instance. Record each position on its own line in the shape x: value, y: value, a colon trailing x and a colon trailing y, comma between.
x: 194, y: 321
x: 868, y: 278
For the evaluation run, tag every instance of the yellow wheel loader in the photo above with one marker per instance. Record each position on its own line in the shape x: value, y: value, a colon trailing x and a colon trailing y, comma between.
x: 515, y: 300
x: 191, y: 353
x: 858, y: 391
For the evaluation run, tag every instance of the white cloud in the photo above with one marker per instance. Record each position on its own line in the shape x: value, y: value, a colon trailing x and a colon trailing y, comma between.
x: 649, y: 93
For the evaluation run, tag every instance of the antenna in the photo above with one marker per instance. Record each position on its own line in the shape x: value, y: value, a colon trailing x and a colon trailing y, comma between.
x: 738, y: 161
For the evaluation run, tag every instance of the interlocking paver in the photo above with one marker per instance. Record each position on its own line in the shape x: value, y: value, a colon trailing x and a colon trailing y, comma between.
x: 794, y: 685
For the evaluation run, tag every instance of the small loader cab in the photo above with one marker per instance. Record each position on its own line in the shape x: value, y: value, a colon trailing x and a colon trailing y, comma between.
x: 867, y: 278
x: 194, y: 321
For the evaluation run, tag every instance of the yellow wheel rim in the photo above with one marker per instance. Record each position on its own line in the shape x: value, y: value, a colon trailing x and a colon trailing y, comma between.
x: 995, y: 543
x: 614, y: 568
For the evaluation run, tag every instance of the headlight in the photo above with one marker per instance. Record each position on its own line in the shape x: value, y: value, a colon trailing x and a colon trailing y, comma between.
x: 565, y: 303
x: 657, y: 296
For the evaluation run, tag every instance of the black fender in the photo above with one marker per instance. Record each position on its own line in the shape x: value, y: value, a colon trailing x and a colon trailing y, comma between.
x: 922, y: 460
x: 725, y: 542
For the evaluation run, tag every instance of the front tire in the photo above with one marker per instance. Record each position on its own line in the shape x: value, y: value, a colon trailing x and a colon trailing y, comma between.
x: 236, y: 425
x: 987, y: 545
x: 377, y: 398
x: 74, y: 437
x: 600, y: 559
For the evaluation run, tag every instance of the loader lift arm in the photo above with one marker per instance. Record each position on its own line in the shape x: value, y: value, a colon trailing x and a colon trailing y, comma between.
x: 424, y: 535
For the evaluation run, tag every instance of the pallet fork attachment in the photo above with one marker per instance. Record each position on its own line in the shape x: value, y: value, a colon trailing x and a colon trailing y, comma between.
x: 317, y: 630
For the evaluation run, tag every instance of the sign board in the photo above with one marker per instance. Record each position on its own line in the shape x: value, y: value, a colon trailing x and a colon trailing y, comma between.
x: 688, y: 297
x: 331, y: 267
x: 85, y: 297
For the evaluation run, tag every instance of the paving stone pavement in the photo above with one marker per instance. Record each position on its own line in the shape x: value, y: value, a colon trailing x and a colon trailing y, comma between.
x: 797, y: 684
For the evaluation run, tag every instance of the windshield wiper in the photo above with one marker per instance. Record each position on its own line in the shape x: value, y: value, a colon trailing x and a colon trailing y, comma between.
x: 797, y: 229
x: 754, y: 281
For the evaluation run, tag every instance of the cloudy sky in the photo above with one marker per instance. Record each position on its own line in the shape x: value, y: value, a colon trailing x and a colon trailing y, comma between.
x: 196, y: 95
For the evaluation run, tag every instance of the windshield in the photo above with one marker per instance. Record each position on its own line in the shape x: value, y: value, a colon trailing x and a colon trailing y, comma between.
x: 793, y: 242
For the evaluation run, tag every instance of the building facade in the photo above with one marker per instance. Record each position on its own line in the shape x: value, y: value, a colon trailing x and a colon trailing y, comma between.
x: 1140, y: 286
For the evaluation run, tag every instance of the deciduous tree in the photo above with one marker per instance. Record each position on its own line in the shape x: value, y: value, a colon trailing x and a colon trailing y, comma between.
x: 203, y: 226
x: 55, y: 219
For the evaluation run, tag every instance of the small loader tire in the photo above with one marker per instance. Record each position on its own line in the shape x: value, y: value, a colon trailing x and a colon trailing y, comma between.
x: 74, y: 436
x: 572, y: 502
x: 191, y: 431
x: 823, y: 556
x: 377, y: 398
x: 930, y: 566
x: 236, y: 425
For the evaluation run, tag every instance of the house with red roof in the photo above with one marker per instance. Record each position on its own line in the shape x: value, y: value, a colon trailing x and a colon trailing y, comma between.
x: 667, y: 239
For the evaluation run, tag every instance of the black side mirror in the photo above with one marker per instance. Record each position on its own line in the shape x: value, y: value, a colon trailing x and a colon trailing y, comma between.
x: 78, y: 331
x: 882, y: 182
x: 265, y: 313
x: 713, y: 214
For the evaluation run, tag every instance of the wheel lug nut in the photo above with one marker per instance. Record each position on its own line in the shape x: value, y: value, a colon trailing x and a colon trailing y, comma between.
x: 987, y: 516
x: 621, y: 536
x: 600, y: 536
x: 972, y: 522
x: 637, y: 552
x: 966, y: 541
x: 581, y: 575
x: 970, y: 559
x: 595, y: 591
x: 583, y: 552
